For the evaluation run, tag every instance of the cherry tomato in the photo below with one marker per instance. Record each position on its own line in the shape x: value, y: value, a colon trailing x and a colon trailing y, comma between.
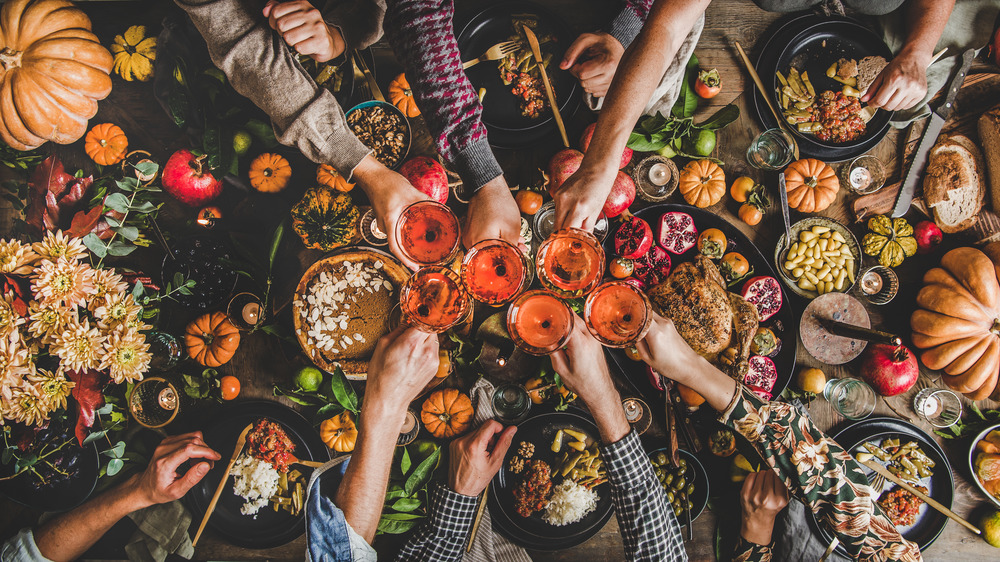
x: 734, y: 266
x: 742, y: 188
x: 712, y: 243
x: 528, y: 202
x: 230, y: 387
x: 750, y: 214
x: 621, y: 268
x: 708, y: 84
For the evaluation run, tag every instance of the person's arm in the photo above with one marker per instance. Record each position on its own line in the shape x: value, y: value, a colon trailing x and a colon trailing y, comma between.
x: 473, y: 461
x: 68, y: 536
x: 580, y: 199
x: 648, y: 526
x: 403, y: 362
x: 903, y: 82
x: 813, y: 467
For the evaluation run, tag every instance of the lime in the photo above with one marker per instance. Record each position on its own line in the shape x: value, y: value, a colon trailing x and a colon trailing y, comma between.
x: 423, y: 448
x: 241, y: 142
x: 990, y: 526
x: 667, y: 151
x: 309, y: 379
x: 704, y: 143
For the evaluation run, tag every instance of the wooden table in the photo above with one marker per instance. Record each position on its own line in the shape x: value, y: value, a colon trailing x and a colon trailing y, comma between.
x: 261, y: 362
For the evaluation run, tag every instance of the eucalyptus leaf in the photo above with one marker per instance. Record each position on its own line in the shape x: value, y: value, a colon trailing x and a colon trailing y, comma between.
x: 127, y: 232
x: 115, y: 466
x: 144, y: 207
x: 112, y: 221
x: 147, y: 167
x: 95, y: 244
x: 117, y: 202
x: 94, y: 436
x: 138, y: 289
x: 105, y: 409
x: 119, y: 248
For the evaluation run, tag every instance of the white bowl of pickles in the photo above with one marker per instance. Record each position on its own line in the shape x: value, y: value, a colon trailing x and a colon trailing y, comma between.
x: 824, y: 257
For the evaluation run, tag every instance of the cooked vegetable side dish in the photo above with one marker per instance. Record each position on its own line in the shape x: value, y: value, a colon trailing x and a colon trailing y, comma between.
x: 520, y: 69
x: 269, y: 442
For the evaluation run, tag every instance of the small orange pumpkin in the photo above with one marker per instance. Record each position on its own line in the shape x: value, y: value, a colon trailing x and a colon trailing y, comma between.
x: 401, y: 96
x: 211, y: 339
x: 702, y: 183
x: 812, y: 185
x: 106, y: 144
x: 269, y: 173
x: 329, y: 176
x: 339, y: 432
x: 447, y: 413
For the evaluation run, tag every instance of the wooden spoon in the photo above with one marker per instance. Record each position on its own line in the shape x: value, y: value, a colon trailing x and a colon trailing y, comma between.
x: 240, y: 442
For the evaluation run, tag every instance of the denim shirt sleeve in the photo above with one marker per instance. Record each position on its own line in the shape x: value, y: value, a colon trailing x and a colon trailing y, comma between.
x: 22, y: 548
x: 329, y: 538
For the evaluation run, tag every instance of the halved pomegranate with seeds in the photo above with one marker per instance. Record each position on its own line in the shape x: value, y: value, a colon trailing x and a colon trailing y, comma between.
x: 634, y: 238
x: 761, y: 376
x: 765, y: 293
x: 622, y: 195
x: 653, y: 267
x: 677, y: 232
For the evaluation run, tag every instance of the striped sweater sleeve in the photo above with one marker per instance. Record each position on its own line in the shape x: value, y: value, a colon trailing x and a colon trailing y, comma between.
x: 423, y: 38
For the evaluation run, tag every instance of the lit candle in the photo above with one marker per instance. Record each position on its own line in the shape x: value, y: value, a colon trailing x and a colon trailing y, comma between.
x: 659, y: 174
x: 251, y: 313
x: 860, y: 177
x: 871, y: 283
x: 930, y: 406
x: 409, y: 422
x: 207, y: 216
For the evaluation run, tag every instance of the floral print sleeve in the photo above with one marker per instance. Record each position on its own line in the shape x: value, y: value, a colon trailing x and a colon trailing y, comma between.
x: 747, y: 551
x: 823, y: 476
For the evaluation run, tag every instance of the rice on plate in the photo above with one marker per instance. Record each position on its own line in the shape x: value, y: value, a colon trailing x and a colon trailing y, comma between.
x: 255, y: 481
x: 570, y: 503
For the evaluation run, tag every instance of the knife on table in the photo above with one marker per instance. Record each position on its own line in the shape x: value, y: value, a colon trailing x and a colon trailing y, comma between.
x: 934, y: 124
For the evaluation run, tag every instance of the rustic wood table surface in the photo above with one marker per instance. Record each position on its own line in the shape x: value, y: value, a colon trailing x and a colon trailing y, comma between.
x: 260, y: 362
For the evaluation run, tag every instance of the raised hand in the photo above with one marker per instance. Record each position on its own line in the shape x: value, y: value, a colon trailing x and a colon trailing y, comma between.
x: 477, y: 457
x: 403, y: 362
x: 303, y: 28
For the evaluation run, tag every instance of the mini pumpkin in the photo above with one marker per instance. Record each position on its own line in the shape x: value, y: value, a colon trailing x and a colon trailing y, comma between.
x: 269, y: 172
x: 329, y: 176
x: 211, y: 339
x: 447, y: 413
x: 134, y: 54
x: 890, y: 239
x: 340, y: 433
x: 702, y: 183
x: 812, y: 185
x: 325, y: 219
x: 106, y: 144
x: 401, y: 96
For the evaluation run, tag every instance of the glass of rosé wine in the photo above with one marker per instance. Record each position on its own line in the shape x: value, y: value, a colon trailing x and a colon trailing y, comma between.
x: 617, y: 314
x: 570, y: 262
x: 495, y: 271
x: 539, y: 322
x: 428, y: 233
x: 433, y: 299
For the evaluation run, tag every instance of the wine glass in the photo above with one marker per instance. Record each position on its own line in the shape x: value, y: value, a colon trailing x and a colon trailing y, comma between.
x: 433, y: 299
x: 428, y: 233
x: 495, y: 271
x: 617, y: 314
x: 570, y: 262
x: 539, y: 322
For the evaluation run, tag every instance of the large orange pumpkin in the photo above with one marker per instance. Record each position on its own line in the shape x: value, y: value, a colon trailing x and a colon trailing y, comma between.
x: 52, y: 72
x: 211, y: 339
x: 329, y: 176
x: 447, y: 413
x: 106, y: 144
x: 702, y: 183
x: 957, y: 323
x: 401, y: 96
x: 269, y: 173
x: 812, y: 185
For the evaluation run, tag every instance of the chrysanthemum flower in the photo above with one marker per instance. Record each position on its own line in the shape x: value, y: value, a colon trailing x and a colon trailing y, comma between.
x: 26, y: 405
x: 15, y: 363
x: 127, y: 356
x: 79, y: 346
x: 53, y: 387
x: 9, y: 318
x: 63, y: 281
x: 117, y: 309
x: 46, y: 319
x: 106, y: 283
x: 16, y: 258
x: 57, y: 245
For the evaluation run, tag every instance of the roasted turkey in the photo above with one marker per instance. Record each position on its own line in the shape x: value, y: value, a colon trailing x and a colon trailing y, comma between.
x: 717, y: 324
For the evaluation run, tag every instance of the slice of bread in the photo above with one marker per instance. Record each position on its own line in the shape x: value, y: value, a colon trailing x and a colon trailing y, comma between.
x: 989, y: 139
x: 954, y: 183
x: 868, y: 69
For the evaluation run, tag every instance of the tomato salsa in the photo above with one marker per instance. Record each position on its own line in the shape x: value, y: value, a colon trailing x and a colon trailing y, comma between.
x: 840, y: 117
x: 267, y: 441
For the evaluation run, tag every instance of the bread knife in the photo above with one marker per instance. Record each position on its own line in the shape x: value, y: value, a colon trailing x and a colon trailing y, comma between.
x: 929, y: 138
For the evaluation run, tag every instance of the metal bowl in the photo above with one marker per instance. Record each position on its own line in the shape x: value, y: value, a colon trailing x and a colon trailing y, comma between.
x: 394, y: 110
x: 972, y: 464
x: 805, y: 224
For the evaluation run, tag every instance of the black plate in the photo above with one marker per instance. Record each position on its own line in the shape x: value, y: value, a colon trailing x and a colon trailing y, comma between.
x: 941, y: 486
x: 200, y: 258
x: 533, y: 532
x: 60, y: 497
x: 783, y: 323
x: 501, y: 111
x: 701, y: 487
x: 800, y: 42
x: 269, y: 529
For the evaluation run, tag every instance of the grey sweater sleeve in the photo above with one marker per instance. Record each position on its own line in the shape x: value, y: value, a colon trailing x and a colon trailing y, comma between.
x: 359, y: 21
x: 261, y: 67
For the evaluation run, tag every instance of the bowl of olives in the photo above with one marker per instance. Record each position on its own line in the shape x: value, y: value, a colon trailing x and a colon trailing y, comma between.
x: 686, y: 484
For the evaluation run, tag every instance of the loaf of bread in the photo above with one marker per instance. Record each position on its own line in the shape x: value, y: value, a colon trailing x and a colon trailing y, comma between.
x: 955, y: 183
x: 989, y: 139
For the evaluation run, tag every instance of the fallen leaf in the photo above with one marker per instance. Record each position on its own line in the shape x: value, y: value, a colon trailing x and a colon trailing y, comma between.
x: 85, y: 222
x: 88, y: 396
x: 49, y: 177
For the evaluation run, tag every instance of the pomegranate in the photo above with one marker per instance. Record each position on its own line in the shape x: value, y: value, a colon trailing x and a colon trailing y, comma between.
x: 654, y: 378
x: 588, y: 133
x: 765, y: 293
x: 653, y: 267
x: 633, y: 239
x: 636, y: 282
x: 186, y: 178
x: 428, y: 176
x: 621, y: 196
x: 928, y: 236
x: 563, y: 164
x: 995, y: 46
x: 890, y: 370
x: 761, y: 376
x: 677, y: 232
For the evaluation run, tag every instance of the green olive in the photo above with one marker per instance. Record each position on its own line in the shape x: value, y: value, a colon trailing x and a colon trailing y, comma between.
x: 677, y: 512
x: 682, y: 463
x: 661, y: 459
x: 670, y: 496
x: 679, y: 483
x: 668, y: 479
x: 690, y: 505
x: 690, y: 489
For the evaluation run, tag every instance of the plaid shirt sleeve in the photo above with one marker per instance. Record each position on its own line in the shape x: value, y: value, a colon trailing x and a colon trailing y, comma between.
x: 648, y: 526
x: 444, y: 534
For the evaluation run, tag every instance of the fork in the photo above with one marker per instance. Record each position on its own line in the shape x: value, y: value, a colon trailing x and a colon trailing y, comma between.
x: 496, y: 52
x: 877, y: 482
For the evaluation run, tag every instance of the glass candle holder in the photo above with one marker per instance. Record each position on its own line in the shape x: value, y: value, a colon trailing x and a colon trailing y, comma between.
x: 245, y: 311
x: 495, y: 272
x: 939, y: 407
x: 428, y: 233
x: 878, y: 284
x: 154, y: 402
x: 370, y: 232
x: 865, y: 174
x: 617, y: 314
x: 656, y: 178
x: 539, y: 322
x: 433, y: 299
x: 165, y: 349
x: 544, y: 223
x: 570, y: 262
